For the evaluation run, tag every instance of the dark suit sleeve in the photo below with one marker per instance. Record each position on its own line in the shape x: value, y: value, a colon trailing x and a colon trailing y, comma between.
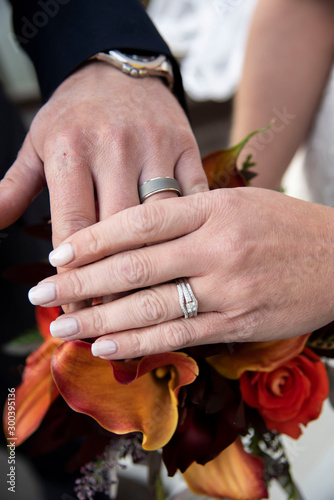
x: 59, y: 35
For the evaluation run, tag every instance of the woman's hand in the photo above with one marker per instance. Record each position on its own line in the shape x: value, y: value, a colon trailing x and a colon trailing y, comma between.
x: 259, y: 263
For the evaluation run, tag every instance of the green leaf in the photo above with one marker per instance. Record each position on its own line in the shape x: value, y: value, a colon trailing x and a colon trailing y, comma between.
x: 29, y: 336
x: 221, y: 166
x: 24, y: 344
x: 322, y: 341
x: 248, y: 164
x: 269, y: 447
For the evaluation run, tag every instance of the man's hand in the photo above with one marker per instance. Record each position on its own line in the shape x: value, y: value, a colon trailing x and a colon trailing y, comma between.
x: 101, y: 134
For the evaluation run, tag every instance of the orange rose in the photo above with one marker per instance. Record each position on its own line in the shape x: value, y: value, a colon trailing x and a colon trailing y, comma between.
x: 290, y: 395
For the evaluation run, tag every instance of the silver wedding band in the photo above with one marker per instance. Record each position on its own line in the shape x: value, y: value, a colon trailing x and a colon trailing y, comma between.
x: 187, y: 299
x: 158, y: 185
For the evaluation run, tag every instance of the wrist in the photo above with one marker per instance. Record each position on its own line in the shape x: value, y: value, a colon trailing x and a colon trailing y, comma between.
x: 94, y: 80
x: 138, y: 66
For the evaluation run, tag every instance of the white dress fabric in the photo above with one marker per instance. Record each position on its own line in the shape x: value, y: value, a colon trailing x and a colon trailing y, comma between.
x: 319, y: 160
x: 312, y: 177
x: 209, y: 38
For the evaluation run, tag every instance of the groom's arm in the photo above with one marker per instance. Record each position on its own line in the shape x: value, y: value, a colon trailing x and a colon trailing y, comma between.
x: 59, y: 35
x: 101, y: 133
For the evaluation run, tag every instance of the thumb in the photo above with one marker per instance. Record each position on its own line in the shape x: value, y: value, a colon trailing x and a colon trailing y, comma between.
x: 21, y: 184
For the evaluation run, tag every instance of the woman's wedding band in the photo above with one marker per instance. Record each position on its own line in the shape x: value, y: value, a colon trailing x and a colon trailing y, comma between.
x: 158, y: 185
x: 187, y: 299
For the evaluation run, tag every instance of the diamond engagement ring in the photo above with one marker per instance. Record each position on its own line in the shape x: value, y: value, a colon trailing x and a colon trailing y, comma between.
x: 158, y: 185
x: 187, y: 299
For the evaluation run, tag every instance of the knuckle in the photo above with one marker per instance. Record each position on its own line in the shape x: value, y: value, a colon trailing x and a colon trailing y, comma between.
x: 73, y: 219
x: 236, y: 240
x: 76, y: 284
x: 135, y: 269
x: 245, y: 326
x: 178, y: 142
x: 153, y: 131
x: 145, y: 220
x: 150, y: 307
x: 66, y: 224
x: 234, y: 245
x: 187, y: 140
x: 116, y: 135
x: 110, y: 132
x: 176, y: 334
x: 253, y: 324
x: 138, y: 344
x: 93, y: 243
x: 192, y: 159
x: 10, y: 178
x: 97, y: 320
x: 203, y: 206
x: 64, y: 141
x: 238, y: 249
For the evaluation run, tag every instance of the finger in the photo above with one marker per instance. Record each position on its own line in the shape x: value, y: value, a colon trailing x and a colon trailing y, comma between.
x: 206, y: 328
x: 190, y: 173
x: 132, y: 159
x: 116, y: 188
x: 155, y: 170
x: 72, y: 200
x: 71, y: 190
x: 21, y: 184
x: 164, y: 195
x: 144, y: 308
x: 120, y: 273
x: 132, y: 228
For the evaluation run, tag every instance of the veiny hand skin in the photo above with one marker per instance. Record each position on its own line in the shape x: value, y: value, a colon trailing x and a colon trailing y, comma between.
x: 260, y: 264
x: 101, y: 132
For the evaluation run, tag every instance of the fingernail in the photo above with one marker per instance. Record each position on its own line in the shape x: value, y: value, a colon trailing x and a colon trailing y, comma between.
x: 64, y: 327
x: 104, y: 348
x: 61, y: 255
x: 42, y: 294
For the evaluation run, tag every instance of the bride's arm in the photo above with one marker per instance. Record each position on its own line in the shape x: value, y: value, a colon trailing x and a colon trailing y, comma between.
x: 288, y: 59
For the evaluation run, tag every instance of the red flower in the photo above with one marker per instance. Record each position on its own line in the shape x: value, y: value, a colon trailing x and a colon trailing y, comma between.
x: 290, y: 395
x: 44, y: 316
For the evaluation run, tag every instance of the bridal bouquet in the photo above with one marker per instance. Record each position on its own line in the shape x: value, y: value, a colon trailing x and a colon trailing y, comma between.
x: 216, y: 412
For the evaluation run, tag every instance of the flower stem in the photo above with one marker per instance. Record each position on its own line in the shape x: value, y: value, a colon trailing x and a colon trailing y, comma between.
x: 112, y: 472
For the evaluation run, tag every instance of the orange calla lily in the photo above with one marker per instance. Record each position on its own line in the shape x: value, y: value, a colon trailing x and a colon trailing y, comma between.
x: 233, y: 361
x: 234, y: 474
x: 148, y: 404
x: 221, y: 167
x: 44, y: 316
x: 36, y: 392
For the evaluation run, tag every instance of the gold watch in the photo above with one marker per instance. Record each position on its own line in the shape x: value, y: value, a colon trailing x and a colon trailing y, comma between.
x: 139, y: 66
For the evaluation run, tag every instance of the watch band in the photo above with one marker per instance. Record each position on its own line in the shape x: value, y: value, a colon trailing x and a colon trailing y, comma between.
x: 139, y: 66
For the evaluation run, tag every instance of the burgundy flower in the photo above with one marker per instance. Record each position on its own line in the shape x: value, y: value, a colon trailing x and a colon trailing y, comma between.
x: 210, y: 419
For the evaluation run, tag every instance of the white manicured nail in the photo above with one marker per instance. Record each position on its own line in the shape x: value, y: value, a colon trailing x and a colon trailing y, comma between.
x: 42, y: 294
x: 104, y: 348
x: 64, y: 327
x: 61, y: 255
